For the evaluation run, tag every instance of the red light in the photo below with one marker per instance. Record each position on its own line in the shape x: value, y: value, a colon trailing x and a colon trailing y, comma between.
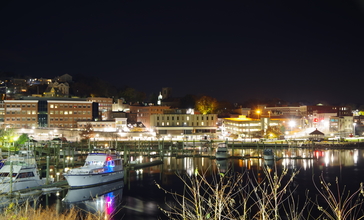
x: 108, y: 159
x: 315, y: 120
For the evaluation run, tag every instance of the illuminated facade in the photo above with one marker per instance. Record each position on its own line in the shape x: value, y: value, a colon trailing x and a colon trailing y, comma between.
x: 184, y: 124
x: 21, y: 113
x: 105, y: 106
x: 247, y: 127
x: 144, y: 113
x: 47, y: 113
x: 342, y: 126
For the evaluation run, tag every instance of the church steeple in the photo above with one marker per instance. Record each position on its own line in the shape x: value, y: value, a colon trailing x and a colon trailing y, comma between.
x: 160, y: 99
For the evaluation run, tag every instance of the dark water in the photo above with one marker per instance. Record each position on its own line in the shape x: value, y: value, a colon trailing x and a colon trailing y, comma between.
x: 138, y: 196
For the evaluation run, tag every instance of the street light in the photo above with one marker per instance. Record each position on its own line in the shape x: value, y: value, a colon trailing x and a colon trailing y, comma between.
x: 258, y: 112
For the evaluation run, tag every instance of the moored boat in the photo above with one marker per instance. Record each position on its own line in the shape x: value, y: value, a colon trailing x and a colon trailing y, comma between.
x: 99, y: 168
x: 19, y: 172
x: 222, y: 152
x: 268, y: 154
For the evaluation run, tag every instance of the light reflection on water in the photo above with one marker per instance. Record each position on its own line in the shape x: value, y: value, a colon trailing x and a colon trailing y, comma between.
x: 140, y: 197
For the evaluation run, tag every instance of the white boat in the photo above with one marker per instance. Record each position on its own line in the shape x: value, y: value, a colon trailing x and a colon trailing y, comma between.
x: 99, y: 168
x: 19, y: 172
x: 222, y: 152
x: 268, y: 154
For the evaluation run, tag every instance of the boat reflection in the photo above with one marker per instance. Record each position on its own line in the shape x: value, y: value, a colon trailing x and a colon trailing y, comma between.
x: 104, y: 198
x: 18, y: 198
x: 222, y: 165
x: 269, y: 163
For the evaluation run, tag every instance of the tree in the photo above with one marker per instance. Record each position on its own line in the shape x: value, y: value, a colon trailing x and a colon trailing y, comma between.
x: 273, y: 132
x: 87, y: 133
x: 206, y: 105
x: 22, y: 139
x: 132, y: 95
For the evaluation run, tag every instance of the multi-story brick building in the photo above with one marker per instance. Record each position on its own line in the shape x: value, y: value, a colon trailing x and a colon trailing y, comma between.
x: 144, y: 113
x: 48, y: 113
x: 67, y: 113
x: 105, y: 106
x: 21, y: 113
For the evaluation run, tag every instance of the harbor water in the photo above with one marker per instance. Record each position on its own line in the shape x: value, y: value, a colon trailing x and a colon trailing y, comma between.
x: 138, y: 195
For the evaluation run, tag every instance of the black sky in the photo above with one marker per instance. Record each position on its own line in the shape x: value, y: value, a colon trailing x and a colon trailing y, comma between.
x: 233, y: 50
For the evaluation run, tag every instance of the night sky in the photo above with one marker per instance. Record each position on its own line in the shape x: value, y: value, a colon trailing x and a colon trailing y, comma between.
x: 231, y: 50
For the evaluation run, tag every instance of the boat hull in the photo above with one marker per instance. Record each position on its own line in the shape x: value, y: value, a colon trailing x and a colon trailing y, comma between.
x: 19, y: 185
x: 83, y: 180
x: 268, y: 157
x: 222, y: 155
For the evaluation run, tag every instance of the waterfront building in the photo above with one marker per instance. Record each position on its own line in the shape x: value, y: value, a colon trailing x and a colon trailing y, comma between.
x: 144, y: 112
x: 184, y: 124
x: 244, y: 127
x: 342, y: 126
x: 105, y: 126
x: 42, y: 112
x: 105, y: 106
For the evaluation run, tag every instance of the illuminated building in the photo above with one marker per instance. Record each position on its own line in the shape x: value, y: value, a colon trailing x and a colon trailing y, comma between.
x: 56, y: 113
x: 144, y: 112
x: 248, y: 127
x: 184, y: 123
